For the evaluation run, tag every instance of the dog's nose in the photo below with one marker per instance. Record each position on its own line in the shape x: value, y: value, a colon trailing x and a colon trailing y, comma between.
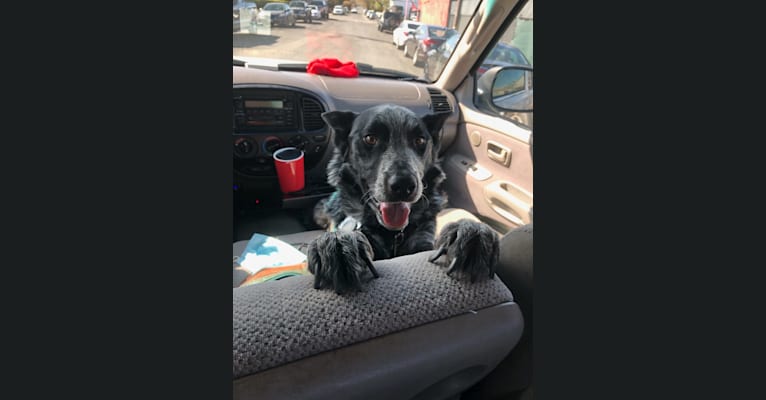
x: 402, y: 186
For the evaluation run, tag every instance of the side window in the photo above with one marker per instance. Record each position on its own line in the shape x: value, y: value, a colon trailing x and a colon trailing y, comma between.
x: 511, y: 91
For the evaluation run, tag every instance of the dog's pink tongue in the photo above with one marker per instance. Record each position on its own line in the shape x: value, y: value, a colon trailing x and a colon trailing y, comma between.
x: 395, y: 215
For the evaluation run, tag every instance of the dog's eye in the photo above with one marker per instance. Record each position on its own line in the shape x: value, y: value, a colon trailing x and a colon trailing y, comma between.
x: 371, y: 140
x: 420, y: 141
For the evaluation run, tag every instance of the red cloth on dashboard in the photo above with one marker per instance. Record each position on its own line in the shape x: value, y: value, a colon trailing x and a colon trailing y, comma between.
x: 332, y: 67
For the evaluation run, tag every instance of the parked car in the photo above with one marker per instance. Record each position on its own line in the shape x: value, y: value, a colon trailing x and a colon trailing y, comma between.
x: 370, y: 14
x: 390, y: 19
x: 244, y: 14
x: 301, y: 10
x: 276, y: 14
x: 402, y: 31
x: 505, y: 55
x: 354, y: 11
x: 425, y: 38
x: 437, y: 58
x: 315, y: 13
x: 324, y: 8
x: 338, y: 10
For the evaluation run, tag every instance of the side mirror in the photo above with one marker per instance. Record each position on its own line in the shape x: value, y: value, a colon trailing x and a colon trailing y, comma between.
x: 506, y: 89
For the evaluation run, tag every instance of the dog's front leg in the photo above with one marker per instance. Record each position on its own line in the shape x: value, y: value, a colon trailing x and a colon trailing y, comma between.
x: 470, y: 248
x: 339, y: 260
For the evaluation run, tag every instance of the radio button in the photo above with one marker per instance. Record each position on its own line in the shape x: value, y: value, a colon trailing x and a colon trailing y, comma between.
x: 272, y: 144
x: 245, y: 147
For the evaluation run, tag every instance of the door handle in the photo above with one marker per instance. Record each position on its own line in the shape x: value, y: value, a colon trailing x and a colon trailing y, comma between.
x: 510, y: 201
x: 498, y: 153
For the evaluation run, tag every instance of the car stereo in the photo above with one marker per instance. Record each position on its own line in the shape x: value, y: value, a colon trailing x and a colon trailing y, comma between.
x: 264, y: 112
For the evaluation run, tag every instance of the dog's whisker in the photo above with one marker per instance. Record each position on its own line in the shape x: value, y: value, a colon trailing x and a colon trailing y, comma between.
x: 367, y: 197
x: 372, y: 201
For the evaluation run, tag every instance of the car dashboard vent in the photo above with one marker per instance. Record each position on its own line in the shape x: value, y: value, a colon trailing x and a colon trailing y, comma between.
x: 312, y: 115
x: 439, y: 103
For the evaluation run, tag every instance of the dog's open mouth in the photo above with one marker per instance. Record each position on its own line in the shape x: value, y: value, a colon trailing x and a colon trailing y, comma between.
x: 394, y: 216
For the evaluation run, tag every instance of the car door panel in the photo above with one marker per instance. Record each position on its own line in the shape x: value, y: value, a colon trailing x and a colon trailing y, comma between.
x: 489, y: 169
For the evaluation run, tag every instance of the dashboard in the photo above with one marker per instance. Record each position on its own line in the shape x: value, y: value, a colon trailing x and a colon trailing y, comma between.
x: 275, y: 109
x: 267, y: 118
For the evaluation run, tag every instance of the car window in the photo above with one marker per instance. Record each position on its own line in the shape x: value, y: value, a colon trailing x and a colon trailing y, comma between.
x: 437, y: 32
x: 513, y: 48
x: 507, y: 54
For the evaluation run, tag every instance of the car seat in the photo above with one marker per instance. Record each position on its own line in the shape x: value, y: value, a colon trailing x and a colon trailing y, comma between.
x: 413, y: 333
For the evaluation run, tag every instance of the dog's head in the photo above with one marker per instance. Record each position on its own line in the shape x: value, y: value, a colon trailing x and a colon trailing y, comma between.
x: 389, y: 150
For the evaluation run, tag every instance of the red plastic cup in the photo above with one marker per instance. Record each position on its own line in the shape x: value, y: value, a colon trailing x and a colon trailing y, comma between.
x: 289, y: 164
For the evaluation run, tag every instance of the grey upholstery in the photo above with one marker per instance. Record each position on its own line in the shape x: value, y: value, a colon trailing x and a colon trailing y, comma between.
x: 414, y: 333
x: 435, y: 361
x: 282, y: 321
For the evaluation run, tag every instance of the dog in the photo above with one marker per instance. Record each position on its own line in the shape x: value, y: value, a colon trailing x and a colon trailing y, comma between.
x: 389, y: 190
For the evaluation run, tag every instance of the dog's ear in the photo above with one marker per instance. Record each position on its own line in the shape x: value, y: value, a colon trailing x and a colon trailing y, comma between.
x: 340, y: 122
x: 434, y: 123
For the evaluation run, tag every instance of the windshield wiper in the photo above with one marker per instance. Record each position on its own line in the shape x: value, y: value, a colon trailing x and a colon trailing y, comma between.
x: 369, y: 70
x: 297, y: 67
x: 414, y: 79
x: 239, y: 63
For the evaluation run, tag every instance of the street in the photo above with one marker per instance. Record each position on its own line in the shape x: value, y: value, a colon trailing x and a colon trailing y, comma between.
x: 349, y: 37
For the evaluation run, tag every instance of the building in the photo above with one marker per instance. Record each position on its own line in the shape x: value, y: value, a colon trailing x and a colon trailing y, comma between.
x: 448, y: 13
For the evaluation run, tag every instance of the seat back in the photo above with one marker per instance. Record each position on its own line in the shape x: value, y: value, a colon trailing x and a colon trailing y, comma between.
x: 413, y: 333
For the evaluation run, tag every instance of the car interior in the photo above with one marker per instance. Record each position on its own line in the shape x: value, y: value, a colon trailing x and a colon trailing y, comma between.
x: 415, y: 333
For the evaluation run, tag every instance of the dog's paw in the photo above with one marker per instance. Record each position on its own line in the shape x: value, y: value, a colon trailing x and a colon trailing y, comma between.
x: 470, y: 248
x: 340, y: 260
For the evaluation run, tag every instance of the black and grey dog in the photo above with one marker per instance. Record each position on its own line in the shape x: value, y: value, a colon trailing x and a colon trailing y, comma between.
x: 388, y: 182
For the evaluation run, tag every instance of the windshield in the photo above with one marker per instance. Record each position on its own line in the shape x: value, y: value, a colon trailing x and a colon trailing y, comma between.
x: 359, y: 34
x: 365, y: 32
